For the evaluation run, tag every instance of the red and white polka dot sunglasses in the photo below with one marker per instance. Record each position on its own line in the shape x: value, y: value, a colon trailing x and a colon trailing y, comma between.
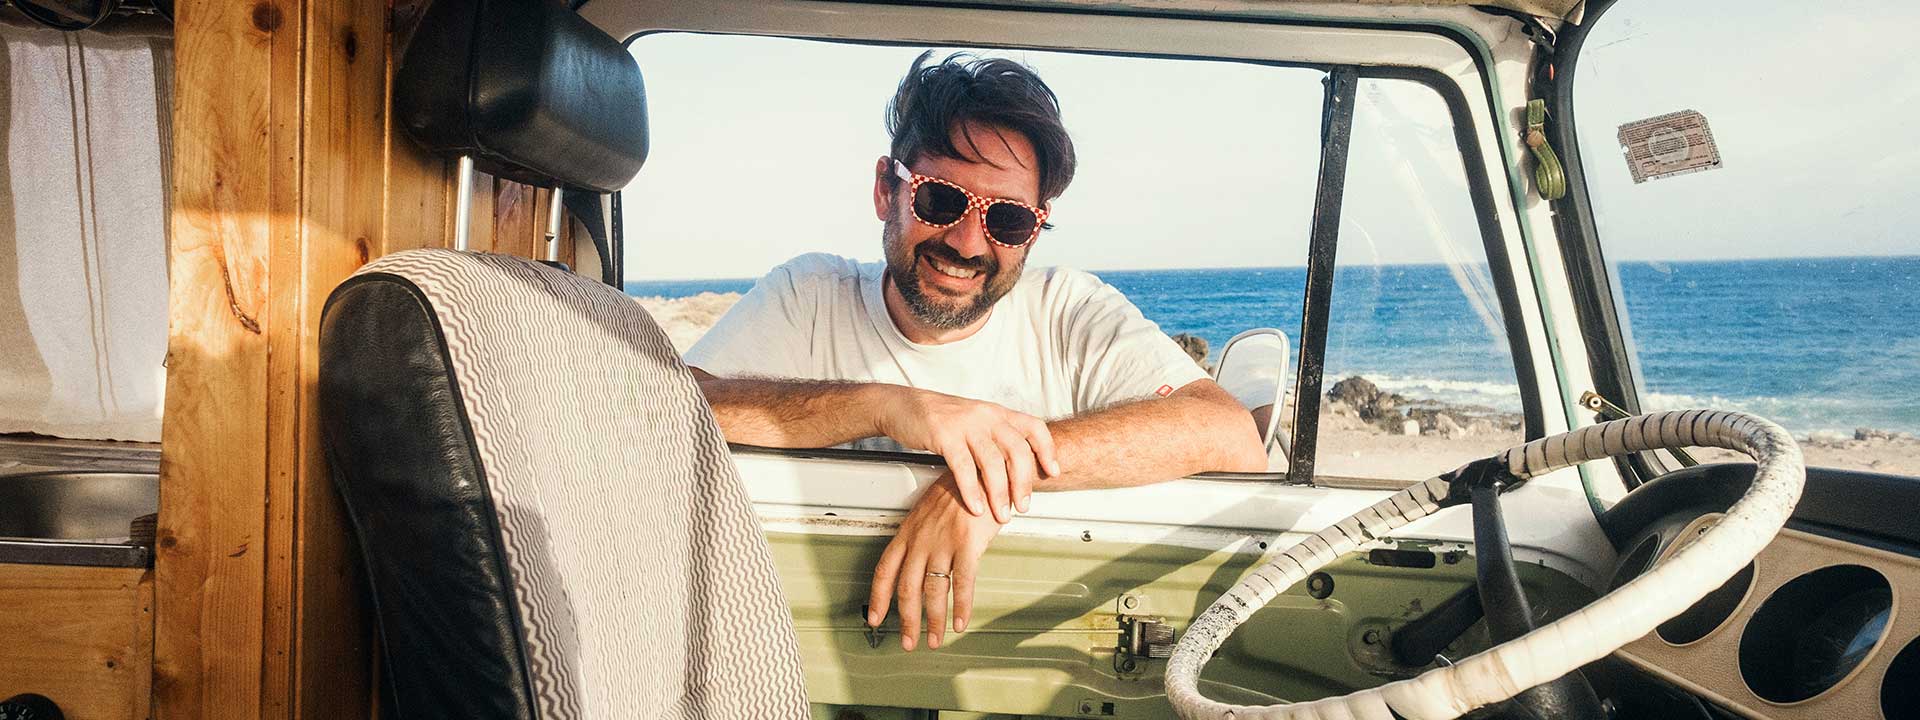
x: 941, y: 203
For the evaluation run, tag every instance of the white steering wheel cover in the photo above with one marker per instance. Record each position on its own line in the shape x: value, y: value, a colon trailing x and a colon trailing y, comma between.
x: 1585, y: 635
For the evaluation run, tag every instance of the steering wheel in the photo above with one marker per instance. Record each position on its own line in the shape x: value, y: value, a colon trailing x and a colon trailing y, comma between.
x: 1505, y: 670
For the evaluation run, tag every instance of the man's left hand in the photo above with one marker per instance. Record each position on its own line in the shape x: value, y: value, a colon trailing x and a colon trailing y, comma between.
x: 936, y: 552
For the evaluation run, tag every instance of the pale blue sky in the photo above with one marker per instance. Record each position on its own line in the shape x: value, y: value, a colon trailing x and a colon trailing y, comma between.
x: 763, y: 148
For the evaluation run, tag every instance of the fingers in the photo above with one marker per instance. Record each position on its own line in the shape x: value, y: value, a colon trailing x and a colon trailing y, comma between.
x: 1040, y: 438
x: 881, y: 596
x: 964, y: 566
x: 966, y: 478
x: 933, y: 594
x: 1020, y: 465
x: 907, y: 589
x: 993, y: 474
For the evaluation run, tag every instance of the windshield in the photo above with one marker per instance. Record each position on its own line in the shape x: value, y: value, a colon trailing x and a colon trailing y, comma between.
x: 1194, y: 199
x: 1754, y: 199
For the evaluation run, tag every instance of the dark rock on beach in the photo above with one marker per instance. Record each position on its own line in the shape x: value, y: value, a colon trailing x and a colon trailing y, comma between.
x: 1397, y: 414
x: 1196, y: 348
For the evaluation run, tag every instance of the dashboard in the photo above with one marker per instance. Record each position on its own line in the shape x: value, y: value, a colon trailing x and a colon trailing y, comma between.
x: 1822, y: 624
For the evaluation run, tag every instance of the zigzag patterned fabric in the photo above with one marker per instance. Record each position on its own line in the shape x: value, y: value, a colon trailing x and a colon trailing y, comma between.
x: 641, y: 575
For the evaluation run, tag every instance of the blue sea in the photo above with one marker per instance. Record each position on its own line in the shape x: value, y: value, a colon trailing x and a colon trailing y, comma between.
x: 1813, y: 343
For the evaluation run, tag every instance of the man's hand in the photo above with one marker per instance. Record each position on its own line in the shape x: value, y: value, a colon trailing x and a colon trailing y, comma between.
x: 993, y: 453
x: 937, y: 551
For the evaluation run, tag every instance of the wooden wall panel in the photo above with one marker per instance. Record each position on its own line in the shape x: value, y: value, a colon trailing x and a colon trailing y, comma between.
x: 210, y: 568
x: 345, y: 126
x: 289, y: 174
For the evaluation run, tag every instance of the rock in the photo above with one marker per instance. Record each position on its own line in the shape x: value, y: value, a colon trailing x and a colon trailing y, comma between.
x: 1383, y: 406
x: 1479, y: 427
x: 1195, y: 346
x: 1356, y: 391
x: 1447, y: 427
x: 1876, y: 434
x: 1410, y: 426
x: 1826, y: 437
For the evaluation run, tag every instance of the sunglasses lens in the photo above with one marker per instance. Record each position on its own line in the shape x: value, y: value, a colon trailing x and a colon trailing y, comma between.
x: 939, y: 204
x: 1011, y: 224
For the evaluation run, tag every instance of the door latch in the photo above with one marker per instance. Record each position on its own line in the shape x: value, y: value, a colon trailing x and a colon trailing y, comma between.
x: 1142, y: 638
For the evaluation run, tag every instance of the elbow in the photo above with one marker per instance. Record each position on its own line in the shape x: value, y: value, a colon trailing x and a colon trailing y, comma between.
x: 1240, y: 449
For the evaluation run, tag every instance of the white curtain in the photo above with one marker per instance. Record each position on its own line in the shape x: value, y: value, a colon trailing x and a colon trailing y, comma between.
x: 83, y: 220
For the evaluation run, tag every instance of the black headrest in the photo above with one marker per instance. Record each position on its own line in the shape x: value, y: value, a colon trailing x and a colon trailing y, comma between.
x: 529, y: 89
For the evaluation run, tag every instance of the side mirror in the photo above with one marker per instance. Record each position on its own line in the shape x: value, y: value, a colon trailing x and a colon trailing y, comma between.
x: 1253, y: 368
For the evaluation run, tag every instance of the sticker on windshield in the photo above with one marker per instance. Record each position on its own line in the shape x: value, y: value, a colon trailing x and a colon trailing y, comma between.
x: 1671, y: 144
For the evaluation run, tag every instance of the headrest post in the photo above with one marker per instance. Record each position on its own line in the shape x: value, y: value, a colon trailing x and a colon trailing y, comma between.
x: 556, y: 213
x: 463, y: 203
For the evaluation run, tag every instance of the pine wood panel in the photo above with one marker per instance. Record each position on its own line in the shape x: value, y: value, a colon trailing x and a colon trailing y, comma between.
x: 232, y: 169
x: 289, y: 174
x: 81, y: 636
x: 345, y: 127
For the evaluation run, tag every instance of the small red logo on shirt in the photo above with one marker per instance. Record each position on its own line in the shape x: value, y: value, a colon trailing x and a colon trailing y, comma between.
x: 1164, y: 390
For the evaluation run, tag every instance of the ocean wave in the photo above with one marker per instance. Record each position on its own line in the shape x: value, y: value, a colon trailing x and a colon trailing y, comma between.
x: 1503, y: 397
x: 1800, y: 415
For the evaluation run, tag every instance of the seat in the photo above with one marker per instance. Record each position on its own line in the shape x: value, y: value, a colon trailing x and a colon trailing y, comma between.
x: 551, y: 522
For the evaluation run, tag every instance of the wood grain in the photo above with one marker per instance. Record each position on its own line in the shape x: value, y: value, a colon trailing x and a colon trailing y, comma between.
x: 210, y: 567
x: 81, y: 636
x: 289, y: 174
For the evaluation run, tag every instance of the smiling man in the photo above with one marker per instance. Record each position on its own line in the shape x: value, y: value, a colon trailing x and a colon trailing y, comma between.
x: 1021, y: 379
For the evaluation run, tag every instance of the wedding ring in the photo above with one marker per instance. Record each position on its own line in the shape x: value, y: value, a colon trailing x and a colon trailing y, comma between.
x: 931, y: 573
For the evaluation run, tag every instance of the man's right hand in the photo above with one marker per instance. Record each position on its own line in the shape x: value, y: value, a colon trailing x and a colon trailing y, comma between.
x: 995, y: 454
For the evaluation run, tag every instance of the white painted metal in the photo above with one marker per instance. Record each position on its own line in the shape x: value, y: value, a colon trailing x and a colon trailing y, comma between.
x: 556, y: 213
x: 463, y: 203
x: 868, y: 497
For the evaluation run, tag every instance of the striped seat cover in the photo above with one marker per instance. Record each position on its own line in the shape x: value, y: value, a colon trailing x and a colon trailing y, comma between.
x: 551, y: 520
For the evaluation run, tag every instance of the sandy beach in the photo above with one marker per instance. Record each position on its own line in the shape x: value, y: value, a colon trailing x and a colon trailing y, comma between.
x: 1372, y: 434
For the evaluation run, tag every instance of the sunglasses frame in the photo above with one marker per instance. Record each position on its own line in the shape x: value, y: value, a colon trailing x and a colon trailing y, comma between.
x: 975, y: 203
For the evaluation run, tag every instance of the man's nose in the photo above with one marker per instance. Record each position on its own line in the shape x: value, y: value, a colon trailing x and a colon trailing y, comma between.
x: 969, y: 236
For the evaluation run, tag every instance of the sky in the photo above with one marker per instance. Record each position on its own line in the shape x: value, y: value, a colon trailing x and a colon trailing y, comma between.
x: 764, y: 148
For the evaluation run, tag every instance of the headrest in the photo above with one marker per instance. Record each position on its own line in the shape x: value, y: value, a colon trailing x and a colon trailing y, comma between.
x: 529, y: 89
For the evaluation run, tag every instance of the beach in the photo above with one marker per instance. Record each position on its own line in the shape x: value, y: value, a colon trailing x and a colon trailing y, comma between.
x: 1367, y: 432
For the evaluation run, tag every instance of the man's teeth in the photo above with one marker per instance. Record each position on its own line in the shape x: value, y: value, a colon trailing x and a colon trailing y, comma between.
x: 951, y: 271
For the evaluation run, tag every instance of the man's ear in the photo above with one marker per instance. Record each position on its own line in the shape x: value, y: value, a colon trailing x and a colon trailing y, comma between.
x: 883, y: 181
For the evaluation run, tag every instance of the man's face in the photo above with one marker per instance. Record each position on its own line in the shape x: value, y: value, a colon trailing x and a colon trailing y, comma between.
x: 950, y: 277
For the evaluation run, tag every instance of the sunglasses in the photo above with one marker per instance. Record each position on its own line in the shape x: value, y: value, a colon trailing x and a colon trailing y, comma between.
x: 940, y: 203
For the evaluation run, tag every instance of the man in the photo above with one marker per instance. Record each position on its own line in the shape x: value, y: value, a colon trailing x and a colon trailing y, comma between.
x: 1021, y: 381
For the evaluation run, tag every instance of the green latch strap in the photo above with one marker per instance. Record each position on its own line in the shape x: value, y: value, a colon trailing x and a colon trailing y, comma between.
x: 1547, y: 174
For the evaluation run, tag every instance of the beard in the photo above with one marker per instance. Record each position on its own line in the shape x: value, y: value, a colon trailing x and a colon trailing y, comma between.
x: 939, y: 309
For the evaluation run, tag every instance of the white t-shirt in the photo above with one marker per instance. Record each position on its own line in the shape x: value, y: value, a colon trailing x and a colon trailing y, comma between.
x: 1060, y: 342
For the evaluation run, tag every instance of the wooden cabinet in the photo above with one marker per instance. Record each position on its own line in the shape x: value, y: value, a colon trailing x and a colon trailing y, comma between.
x: 82, y: 636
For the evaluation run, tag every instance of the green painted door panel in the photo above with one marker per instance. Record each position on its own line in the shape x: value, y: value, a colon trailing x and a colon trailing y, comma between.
x: 1047, y: 616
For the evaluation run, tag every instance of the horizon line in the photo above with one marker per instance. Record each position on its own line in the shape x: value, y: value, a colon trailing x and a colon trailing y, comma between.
x: 1097, y: 271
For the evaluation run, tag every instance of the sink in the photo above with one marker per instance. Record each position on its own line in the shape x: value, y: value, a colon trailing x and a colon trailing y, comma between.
x: 78, y: 517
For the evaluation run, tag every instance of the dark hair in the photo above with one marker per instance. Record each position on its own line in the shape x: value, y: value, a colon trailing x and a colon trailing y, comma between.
x: 965, y: 88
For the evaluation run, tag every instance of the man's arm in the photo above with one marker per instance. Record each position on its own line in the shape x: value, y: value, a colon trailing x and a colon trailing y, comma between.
x: 998, y: 454
x: 792, y: 413
x: 1199, y: 427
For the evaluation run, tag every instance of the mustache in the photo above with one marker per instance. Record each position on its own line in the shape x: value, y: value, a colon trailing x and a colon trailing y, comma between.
x: 985, y: 264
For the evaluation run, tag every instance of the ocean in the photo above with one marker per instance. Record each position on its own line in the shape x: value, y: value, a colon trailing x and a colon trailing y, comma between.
x: 1816, y: 344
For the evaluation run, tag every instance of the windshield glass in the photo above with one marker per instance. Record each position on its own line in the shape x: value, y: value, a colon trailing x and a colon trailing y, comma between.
x: 1774, y: 270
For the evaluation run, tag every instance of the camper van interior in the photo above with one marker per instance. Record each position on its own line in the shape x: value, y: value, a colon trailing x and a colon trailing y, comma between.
x: 371, y: 358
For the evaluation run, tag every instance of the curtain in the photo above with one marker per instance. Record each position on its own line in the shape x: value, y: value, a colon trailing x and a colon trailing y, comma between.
x: 84, y: 142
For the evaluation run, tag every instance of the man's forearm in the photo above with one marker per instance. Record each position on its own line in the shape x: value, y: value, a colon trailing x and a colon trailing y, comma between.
x: 792, y: 413
x: 1153, y: 440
